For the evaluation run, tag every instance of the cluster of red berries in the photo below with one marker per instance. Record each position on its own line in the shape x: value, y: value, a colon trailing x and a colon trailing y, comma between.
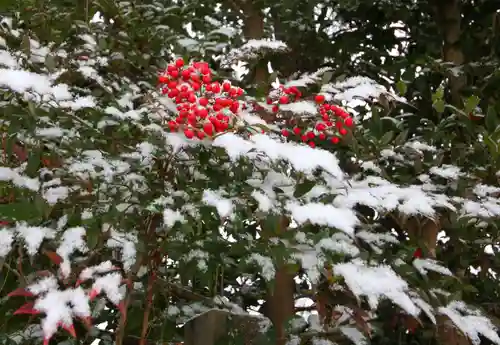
x: 334, y: 121
x: 205, y: 107
x: 283, y: 96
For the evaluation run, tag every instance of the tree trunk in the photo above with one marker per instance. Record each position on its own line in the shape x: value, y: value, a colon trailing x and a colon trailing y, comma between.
x: 448, y: 19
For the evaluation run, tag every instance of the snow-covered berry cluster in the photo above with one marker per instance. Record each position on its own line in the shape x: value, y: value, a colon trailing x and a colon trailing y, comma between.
x: 332, y: 126
x: 204, y: 107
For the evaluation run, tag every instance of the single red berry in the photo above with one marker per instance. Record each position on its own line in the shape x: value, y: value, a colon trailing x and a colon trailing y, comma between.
x: 203, y: 101
x: 269, y: 101
x: 283, y: 100
x: 418, y: 253
x: 206, y: 79
x: 179, y: 63
x: 215, y: 87
x: 189, y: 133
x: 200, y: 135
x: 322, y: 136
x: 319, y: 99
x: 226, y: 87
x: 320, y: 126
x: 162, y: 79
x: 186, y: 74
x: 171, y: 68
x: 303, y: 138
x: 234, y: 107
x: 335, y: 140
x: 310, y: 135
x: 285, y: 133
x: 275, y: 109
x: 296, y: 131
x: 172, y: 84
x: 203, y: 113
x: 174, y: 73
x: 311, y: 144
x: 343, y: 131
x: 348, y: 122
x: 208, y: 128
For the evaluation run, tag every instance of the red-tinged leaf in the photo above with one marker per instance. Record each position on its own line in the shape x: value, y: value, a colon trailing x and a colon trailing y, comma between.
x: 93, y: 294
x: 418, y: 253
x: 44, y: 273
x: 54, y: 257
x: 20, y: 292
x: 121, y: 308
x: 70, y: 329
x: 87, y: 321
x: 27, y: 309
x: 128, y: 282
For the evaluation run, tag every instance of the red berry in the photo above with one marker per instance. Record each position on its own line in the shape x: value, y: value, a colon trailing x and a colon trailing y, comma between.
x: 283, y: 100
x: 215, y: 88
x: 171, y: 68
x: 234, y: 107
x: 348, y: 122
x: 343, y: 131
x: 296, y: 130
x: 303, y: 138
x: 310, y: 135
x: 285, y: 133
x: 203, y: 113
x: 179, y: 63
x: 418, y: 253
x: 208, y: 128
x: 322, y: 136
x: 226, y: 87
x: 206, y: 79
x: 174, y: 73
x: 186, y: 74
x: 319, y: 99
x: 269, y: 101
x: 189, y: 133
x: 203, y: 101
x: 200, y: 135
x: 312, y: 144
x: 320, y: 127
x: 162, y: 79
x: 275, y: 109
x: 335, y: 140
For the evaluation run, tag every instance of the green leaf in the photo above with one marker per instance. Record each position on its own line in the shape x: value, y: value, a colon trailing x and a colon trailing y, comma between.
x: 32, y: 108
x: 26, y: 45
x: 438, y: 95
x: 439, y: 105
x: 386, y: 138
x: 327, y: 76
x: 491, y: 119
x: 471, y: 104
x: 50, y: 63
x: 273, y: 76
x: 19, y: 211
x: 303, y: 188
x: 401, y: 138
x: 401, y: 87
x: 103, y: 45
x: 92, y: 234
x: 33, y: 163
